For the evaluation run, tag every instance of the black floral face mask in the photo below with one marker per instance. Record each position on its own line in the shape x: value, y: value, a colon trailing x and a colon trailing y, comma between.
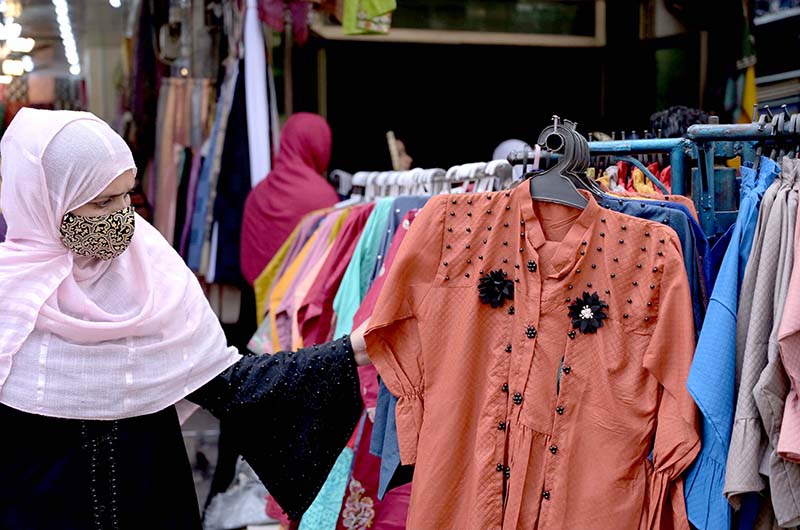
x: 103, y: 237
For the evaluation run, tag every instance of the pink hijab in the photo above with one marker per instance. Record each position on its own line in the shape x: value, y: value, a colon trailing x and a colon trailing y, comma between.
x: 293, y: 188
x: 79, y: 337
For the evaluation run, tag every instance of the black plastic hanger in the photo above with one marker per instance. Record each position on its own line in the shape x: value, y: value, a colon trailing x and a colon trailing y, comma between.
x: 555, y: 184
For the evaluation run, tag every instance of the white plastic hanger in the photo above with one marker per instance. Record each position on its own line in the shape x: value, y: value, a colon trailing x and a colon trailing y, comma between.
x: 359, y: 180
x: 370, y: 190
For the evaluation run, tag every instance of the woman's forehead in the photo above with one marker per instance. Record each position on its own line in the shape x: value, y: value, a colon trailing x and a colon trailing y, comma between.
x: 122, y: 184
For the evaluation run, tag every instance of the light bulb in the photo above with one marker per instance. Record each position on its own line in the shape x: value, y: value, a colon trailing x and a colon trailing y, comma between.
x: 27, y: 63
x: 5, y: 79
x: 75, y: 69
x: 13, y: 67
x: 115, y: 3
x: 13, y: 31
x: 21, y: 45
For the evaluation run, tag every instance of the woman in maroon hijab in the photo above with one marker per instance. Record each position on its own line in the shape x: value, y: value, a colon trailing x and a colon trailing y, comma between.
x: 294, y: 188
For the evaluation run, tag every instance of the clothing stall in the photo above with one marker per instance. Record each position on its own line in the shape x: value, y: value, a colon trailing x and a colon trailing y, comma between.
x: 583, y: 335
x: 478, y: 433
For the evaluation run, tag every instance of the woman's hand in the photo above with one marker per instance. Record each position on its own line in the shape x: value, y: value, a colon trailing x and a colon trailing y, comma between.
x: 359, y: 345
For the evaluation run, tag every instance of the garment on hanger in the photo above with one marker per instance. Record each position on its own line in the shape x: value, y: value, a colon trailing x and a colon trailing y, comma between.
x: 324, y: 511
x: 518, y: 460
x: 185, y: 220
x: 715, y: 359
x: 257, y: 94
x: 641, y: 183
x: 367, y: 16
x: 392, y: 507
x: 400, y: 207
x: 300, y: 293
x: 360, y: 508
x: 762, y: 387
x: 678, y: 220
x: 272, y: 13
x: 201, y: 222
x: 789, y: 442
x: 281, y: 289
x: 384, y: 438
x: 665, y: 176
x: 358, y: 276
x: 315, y: 315
x: 231, y: 190
x: 365, y: 479
x: 276, y: 266
x: 323, y: 514
x: 262, y: 340
x: 263, y: 284
x: 323, y: 238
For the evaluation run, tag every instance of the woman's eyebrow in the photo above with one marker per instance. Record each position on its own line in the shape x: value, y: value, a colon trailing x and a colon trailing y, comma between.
x: 104, y: 197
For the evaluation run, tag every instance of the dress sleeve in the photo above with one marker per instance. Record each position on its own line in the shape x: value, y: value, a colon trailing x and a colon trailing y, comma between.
x: 668, y: 358
x: 289, y: 415
x: 393, y: 339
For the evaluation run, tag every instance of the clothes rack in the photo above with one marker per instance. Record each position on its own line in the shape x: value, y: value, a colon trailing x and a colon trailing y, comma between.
x: 693, y: 160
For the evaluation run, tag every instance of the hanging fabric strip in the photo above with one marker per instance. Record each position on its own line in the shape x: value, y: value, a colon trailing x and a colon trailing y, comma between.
x: 258, y: 107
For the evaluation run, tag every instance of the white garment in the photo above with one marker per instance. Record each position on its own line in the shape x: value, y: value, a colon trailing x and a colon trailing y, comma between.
x: 255, y: 89
x: 79, y: 337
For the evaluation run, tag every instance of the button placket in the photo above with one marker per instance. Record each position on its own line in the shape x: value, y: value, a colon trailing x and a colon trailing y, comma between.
x: 528, y: 300
x: 501, y: 424
x: 570, y: 385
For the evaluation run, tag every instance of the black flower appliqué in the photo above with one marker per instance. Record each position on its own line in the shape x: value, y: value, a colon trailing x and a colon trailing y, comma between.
x: 494, y: 288
x: 587, y: 312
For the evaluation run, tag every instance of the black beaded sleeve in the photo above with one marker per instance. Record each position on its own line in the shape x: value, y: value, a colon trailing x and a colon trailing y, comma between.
x: 290, y: 415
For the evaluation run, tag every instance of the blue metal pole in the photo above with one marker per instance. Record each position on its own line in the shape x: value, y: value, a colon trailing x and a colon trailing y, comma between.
x: 730, y: 132
x: 652, y: 145
x: 677, y: 159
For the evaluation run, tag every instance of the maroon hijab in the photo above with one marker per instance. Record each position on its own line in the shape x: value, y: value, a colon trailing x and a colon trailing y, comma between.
x: 293, y: 188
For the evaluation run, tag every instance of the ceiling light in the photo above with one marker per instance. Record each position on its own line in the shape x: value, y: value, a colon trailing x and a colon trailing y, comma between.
x: 115, y: 3
x: 13, y: 67
x: 3, y: 6
x: 10, y: 31
x: 27, y: 63
x: 14, y: 30
x: 13, y: 8
x: 67, y: 37
x: 21, y: 45
x: 5, y: 79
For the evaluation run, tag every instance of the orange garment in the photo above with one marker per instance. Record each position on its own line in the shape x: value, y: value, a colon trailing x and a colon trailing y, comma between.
x: 686, y: 201
x: 497, y: 441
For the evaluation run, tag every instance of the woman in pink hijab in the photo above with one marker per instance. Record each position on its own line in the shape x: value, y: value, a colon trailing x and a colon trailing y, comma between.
x: 293, y: 188
x: 103, y: 330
